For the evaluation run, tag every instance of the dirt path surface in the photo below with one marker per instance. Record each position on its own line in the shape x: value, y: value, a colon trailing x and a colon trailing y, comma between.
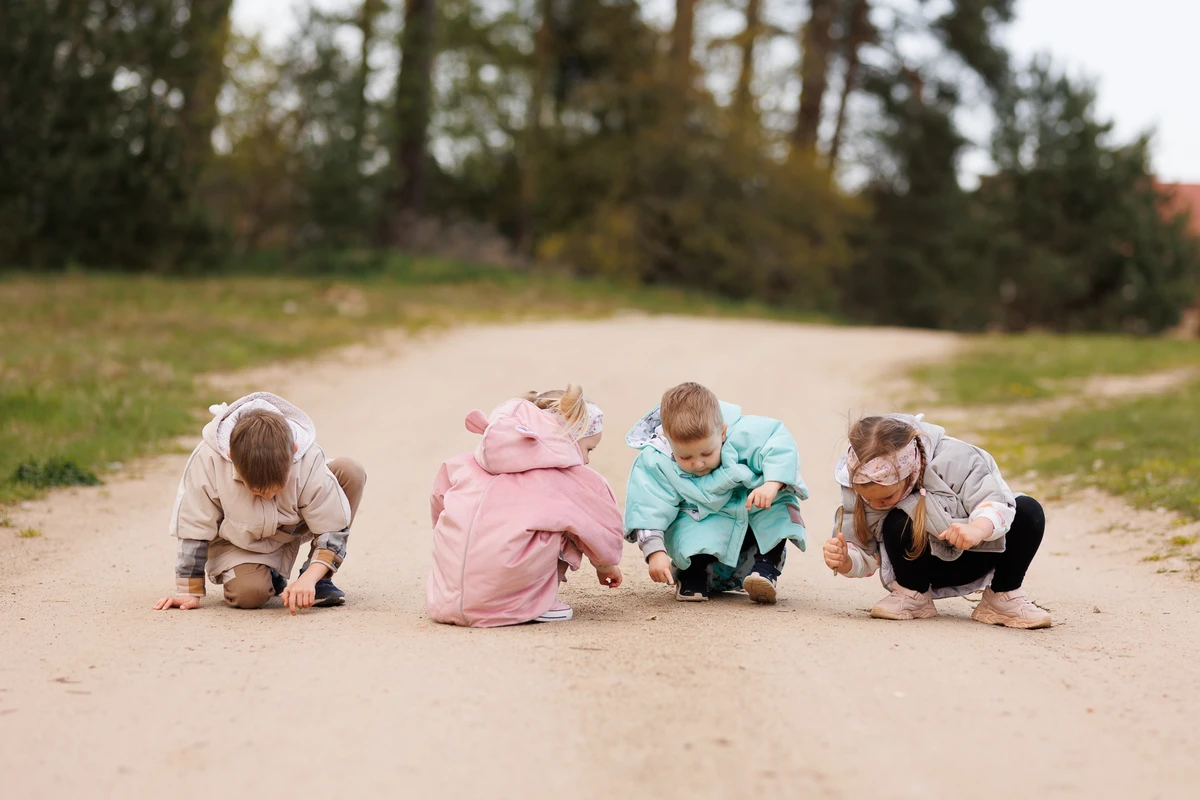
x: 639, y: 696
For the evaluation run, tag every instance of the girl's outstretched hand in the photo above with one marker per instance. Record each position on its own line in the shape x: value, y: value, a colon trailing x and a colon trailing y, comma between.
x: 837, y: 554
x: 609, y: 576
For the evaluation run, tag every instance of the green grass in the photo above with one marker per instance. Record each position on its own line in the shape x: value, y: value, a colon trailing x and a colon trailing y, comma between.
x: 29, y: 533
x: 1011, y: 369
x: 96, y: 369
x: 1143, y: 449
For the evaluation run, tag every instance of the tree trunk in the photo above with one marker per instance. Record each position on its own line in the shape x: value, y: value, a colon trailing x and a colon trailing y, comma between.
x: 682, y: 39
x: 743, y: 97
x: 414, y: 86
x: 207, y: 34
x: 531, y: 166
x: 371, y: 9
x: 814, y: 73
x: 858, y: 32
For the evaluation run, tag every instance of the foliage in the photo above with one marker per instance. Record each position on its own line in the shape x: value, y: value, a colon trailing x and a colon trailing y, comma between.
x: 53, y: 472
x: 143, y: 134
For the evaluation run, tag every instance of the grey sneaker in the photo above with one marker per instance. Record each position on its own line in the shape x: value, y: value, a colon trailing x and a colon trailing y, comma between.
x: 1011, y: 609
x: 905, y: 604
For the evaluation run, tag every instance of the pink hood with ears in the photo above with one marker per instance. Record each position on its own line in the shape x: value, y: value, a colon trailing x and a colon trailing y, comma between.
x: 505, y: 516
x: 519, y: 436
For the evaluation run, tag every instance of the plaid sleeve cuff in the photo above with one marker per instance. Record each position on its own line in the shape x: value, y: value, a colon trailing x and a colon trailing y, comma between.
x: 192, y: 586
x: 329, y: 558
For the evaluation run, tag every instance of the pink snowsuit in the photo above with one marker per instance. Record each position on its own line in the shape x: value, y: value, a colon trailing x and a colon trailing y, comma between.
x: 505, y: 515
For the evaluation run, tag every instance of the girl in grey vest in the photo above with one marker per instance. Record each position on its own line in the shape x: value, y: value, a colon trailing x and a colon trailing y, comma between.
x: 936, y: 518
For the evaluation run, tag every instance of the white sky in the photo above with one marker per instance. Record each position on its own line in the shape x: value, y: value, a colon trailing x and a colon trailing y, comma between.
x: 1143, y: 55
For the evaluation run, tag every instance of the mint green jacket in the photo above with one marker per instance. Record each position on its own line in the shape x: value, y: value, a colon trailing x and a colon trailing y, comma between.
x: 708, y: 514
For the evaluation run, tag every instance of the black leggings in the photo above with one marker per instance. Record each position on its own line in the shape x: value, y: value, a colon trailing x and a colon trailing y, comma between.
x: 927, y: 570
x: 702, y: 561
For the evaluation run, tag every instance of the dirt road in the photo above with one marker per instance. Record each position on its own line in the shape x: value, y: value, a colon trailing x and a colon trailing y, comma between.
x: 639, y: 696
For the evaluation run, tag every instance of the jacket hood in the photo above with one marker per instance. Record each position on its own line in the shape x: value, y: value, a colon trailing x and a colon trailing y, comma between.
x: 931, y: 438
x: 518, y: 436
x: 648, y: 432
x: 225, y: 416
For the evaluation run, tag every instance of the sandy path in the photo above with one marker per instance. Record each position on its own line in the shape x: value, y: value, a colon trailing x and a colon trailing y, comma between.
x: 640, y: 696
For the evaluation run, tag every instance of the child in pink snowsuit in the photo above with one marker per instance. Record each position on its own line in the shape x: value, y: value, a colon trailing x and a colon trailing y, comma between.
x: 510, y: 518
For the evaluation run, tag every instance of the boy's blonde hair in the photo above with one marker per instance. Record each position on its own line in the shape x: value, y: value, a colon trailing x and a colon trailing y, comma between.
x: 568, y: 403
x: 690, y: 412
x: 261, y: 448
x: 882, y: 437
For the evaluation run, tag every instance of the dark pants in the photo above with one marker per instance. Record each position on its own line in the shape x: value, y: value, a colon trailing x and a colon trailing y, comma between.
x: 701, y: 562
x: 927, y: 570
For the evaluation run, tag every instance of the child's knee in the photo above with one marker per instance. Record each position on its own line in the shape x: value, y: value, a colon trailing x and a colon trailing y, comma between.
x: 349, y: 473
x: 1032, y: 511
x: 250, y: 586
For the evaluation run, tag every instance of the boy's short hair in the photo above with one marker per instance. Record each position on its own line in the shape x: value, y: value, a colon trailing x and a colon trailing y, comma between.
x: 690, y: 412
x: 261, y: 448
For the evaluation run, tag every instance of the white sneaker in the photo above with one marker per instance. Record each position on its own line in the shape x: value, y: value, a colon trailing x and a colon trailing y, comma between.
x: 1011, y: 609
x: 905, y: 604
x: 559, y: 612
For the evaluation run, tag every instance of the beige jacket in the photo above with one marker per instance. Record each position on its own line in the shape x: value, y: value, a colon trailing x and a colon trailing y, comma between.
x: 220, y: 524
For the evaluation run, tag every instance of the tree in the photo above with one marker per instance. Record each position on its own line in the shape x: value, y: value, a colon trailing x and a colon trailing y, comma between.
x: 414, y: 104
x: 743, y: 96
x: 857, y: 32
x: 816, y: 51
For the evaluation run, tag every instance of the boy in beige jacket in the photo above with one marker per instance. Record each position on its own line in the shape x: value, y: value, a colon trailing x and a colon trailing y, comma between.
x: 255, y: 489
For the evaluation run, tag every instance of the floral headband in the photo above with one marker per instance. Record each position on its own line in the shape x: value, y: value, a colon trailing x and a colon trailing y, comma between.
x: 885, y: 470
x: 595, y: 421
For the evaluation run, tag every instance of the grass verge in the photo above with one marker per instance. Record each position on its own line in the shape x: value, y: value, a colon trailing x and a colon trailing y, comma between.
x: 998, y: 370
x: 1141, y: 448
x: 99, y: 368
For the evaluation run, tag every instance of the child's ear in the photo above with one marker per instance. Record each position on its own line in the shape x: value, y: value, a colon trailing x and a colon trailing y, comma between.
x: 295, y: 447
x: 724, y: 430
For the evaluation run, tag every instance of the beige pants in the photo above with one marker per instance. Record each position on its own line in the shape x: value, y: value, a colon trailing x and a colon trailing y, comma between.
x: 251, y: 586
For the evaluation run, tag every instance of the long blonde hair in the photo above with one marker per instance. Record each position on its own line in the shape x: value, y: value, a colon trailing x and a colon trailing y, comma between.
x: 881, y: 437
x: 569, y: 404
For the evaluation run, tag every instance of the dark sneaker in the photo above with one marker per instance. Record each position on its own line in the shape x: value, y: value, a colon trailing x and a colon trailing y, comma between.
x: 760, y: 583
x: 278, y: 583
x: 328, y: 595
x: 691, y: 585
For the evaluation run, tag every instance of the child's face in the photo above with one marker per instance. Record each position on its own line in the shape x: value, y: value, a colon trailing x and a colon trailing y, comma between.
x: 266, y: 494
x: 880, y: 497
x: 589, y: 443
x: 701, y: 456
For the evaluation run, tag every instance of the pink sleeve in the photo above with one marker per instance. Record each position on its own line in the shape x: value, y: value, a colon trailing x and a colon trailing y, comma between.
x: 587, y: 510
x: 437, y: 500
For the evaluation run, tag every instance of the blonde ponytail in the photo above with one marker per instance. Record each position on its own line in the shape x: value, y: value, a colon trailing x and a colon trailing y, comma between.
x: 569, y: 404
x: 918, y: 519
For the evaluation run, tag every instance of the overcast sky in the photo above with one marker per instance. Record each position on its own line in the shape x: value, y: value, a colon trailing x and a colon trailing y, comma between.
x: 1144, y: 55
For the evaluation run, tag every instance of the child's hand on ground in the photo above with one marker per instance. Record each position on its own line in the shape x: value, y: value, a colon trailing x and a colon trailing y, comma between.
x: 965, y: 535
x: 302, y: 593
x: 660, y: 568
x: 184, y: 601
x: 763, y: 496
x: 609, y: 576
x: 837, y: 554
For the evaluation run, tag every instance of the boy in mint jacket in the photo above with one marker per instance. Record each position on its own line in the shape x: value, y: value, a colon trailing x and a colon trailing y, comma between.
x: 714, y: 496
